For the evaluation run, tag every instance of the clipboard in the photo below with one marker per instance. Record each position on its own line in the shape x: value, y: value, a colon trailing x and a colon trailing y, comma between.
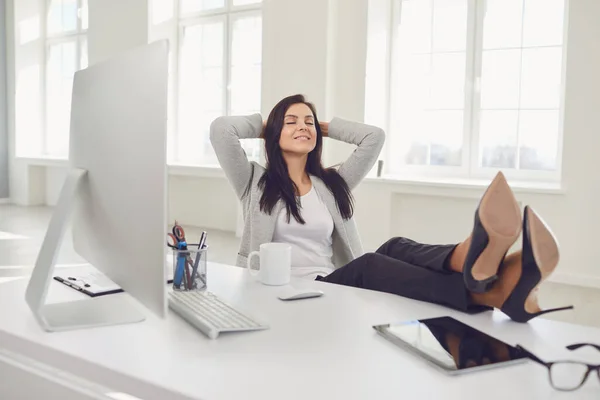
x: 88, y: 280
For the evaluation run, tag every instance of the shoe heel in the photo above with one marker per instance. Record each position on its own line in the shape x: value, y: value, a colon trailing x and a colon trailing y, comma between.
x: 538, y: 260
x: 525, y: 316
x: 497, y: 226
x: 554, y: 310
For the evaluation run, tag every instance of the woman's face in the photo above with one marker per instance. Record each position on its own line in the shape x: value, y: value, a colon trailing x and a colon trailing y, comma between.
x: 299, y: 134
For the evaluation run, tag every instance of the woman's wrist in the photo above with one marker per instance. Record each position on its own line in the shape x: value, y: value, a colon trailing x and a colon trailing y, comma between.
x: 324, y: 128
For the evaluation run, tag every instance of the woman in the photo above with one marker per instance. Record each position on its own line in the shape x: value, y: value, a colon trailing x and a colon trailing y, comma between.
x: 297, y: 201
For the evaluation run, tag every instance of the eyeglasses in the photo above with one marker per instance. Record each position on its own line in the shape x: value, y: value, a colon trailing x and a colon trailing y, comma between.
x: 566, y: 375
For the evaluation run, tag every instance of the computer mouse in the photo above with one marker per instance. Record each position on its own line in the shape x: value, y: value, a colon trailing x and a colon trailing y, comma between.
x: 291, y: 293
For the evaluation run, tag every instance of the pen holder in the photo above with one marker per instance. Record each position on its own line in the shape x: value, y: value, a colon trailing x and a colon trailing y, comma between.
x: 189, y: 269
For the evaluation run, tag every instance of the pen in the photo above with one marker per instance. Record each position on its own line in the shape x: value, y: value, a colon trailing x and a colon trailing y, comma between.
x: 201, y: 245
x: 187, y: 277
x: 179, y: 271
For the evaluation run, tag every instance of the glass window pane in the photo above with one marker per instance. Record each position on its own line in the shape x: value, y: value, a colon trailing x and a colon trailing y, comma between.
x: 538, y: 132
x: 191, y: 6
x: 543, y: 22
x: 428, y: 87
x: 445, y: 132
x: 84, y: 15
x: 502, y: 23
x: 448, y: 81
x: 246, y: 57
x: 193, y: 144
x: 430, y: 137
x: 411, y: 142
x: 62, y: 16
x: 417, y: 154
x: 541, y: 80
x: 27, y: 104
x: 376, y: 79
x: 202, y: 47
x: 247, y: 41
x: 83, y: 62
x: 498, y: 138
x: 61, y: 67
x: 414, y: 32
x: 450, y: 25
x: 412, y: 86
x: 500, y: 79
x: 245, y: 89
x: 201, y: 90
x: 245, y: 2
x: 411, y: 93
x: 200, y: 100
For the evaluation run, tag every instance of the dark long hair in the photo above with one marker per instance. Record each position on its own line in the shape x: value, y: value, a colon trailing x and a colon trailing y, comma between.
x: 276, y: 183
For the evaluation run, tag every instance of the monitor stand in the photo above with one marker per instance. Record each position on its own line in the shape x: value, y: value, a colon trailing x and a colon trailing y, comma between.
x: 86, y: 313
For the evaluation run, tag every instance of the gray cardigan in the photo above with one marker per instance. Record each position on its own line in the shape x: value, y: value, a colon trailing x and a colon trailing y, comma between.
x: 225, y: 135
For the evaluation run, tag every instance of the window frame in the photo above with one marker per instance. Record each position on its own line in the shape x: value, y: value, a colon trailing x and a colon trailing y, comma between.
x: 79, y: 36
x: 469, y: 168
x: 227, y: 14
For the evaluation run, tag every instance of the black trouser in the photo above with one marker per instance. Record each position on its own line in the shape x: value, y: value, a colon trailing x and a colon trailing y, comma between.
x: 409, y: 269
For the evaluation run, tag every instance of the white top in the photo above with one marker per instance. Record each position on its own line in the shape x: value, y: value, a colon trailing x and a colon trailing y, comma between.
x: 330, y: 336
x: 311, y: 242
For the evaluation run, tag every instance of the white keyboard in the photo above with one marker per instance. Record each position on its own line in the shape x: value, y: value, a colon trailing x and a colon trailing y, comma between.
x: 210, y: 314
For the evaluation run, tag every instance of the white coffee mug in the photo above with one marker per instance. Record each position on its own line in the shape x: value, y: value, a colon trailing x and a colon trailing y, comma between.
x: 275, y: 263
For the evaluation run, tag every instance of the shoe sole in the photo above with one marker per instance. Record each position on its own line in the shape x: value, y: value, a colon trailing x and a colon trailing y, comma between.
x: 545, y: 252
x: 500, y: 216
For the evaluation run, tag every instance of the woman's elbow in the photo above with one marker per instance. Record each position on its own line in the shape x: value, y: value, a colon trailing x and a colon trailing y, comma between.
x: 379, y: 135
x: 217, y: 127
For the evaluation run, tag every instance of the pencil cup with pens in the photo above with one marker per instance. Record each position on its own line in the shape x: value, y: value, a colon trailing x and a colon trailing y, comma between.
x: 189, y: 260
x: 189, y: 269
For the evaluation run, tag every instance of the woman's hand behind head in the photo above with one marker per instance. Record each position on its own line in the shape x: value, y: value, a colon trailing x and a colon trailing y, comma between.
x: 324, y: 128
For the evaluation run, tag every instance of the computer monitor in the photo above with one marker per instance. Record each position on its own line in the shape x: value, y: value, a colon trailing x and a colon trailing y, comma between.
x: 115, y: 191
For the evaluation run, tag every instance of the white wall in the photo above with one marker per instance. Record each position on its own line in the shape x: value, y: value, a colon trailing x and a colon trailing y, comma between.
x: 115, y: 26
x: 319, y: 49
x: 3, y: 113
x: 294, y: 51
x: 577, y: 214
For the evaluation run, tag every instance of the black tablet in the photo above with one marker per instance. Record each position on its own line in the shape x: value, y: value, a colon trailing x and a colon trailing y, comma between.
x: 450, y: 344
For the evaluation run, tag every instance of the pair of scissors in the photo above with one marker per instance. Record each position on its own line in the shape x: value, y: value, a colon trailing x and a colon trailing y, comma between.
x: 176, y: 240
x: 178, y: 233
x: 173, y: 243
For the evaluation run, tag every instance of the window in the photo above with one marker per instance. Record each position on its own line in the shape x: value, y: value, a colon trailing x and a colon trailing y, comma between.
x: 215, y: 70
x: 66, y: 53
x: 474, y: 86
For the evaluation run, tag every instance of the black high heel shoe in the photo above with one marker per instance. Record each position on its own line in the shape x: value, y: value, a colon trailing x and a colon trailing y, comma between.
x: 539, y: 258
x: 497, y: 226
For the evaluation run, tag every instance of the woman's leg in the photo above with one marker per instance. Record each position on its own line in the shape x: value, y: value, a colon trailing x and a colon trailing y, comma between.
x: 376, y: 271
x: 446, y: 257
x: 379, y: 272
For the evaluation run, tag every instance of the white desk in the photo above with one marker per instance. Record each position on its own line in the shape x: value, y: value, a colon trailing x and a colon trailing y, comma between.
x: 323, y: 348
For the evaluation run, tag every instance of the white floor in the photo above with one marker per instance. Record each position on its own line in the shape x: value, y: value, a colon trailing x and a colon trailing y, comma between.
x: 22, y: 230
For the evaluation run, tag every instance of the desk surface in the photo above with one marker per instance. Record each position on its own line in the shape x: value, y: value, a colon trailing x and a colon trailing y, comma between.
x: 322, y: 348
